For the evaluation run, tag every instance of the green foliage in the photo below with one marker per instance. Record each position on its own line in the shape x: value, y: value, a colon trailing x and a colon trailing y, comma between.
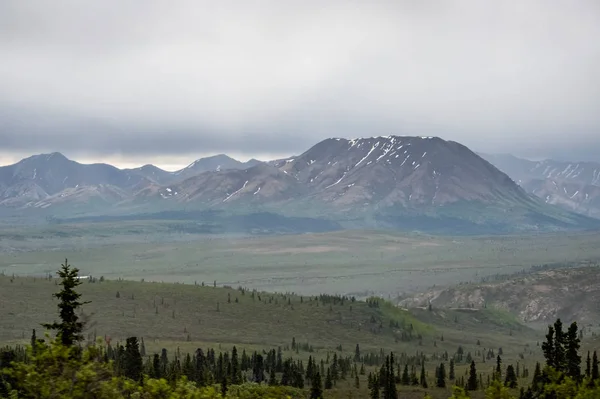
x: 70, y: 328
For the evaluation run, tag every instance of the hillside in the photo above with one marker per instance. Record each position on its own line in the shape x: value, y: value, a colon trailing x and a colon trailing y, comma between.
x: 570, y: 294
x: 572, y: 185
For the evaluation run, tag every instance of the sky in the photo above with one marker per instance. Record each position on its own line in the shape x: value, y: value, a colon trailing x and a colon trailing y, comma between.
x: 136, y: 82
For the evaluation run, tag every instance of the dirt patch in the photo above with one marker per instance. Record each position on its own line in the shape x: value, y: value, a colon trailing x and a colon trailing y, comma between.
x: 315, y: 249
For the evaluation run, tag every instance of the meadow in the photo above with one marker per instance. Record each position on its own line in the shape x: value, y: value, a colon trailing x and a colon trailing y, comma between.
x: 352, y: 262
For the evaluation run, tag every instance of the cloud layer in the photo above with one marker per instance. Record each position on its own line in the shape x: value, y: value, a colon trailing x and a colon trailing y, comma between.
x: 150, y: 78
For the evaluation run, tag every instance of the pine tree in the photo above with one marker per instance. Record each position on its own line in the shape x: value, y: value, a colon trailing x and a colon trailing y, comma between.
x: 537, y: 377
x: 316, y: 390
x: 236, y: 374
x: 559, y: 347
x: 328, y: 380
x: 511, y: 377
x: 498, y: 374
x: 374, y: 393
x: 588, y: 366
x: 573, y: 360
x: 357, y: 354
x: 70, y: 328
x: 143, y: 348
x: 441, y: 376
x: 472, y: 382
x: 132, y: 361
x: 273, y: 377
x: 595, y: 373
x: 33, y: 342
x: 423, y: 379
x: 548, y: 347
x: 405, y: 380
x: 451, y: 375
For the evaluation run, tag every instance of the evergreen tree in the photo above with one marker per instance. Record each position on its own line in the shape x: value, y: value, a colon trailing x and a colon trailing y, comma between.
x: 33, y: 342
x: 156, y: 369
x: 511, y: 377
x: 537, y: 377
x: 548, y: 347
x: 595, y: 373
x: 573, y: 360
x: 357, y: 354
x: 405, y: 380
x: 142, y: 348
x: 316, y: 390
x: 472, y: 382
x: 236, y: 373
x: 374, y: 393
x: 272, y: 378
x: 441, y: 376
x: 69, y: 329
x: 588, y: 366
x: 498, y: 374
x: 328, y: 380
x: 132, y: 361
x: 451, y: 375
x: 559, y: 363
x: 423, y: 379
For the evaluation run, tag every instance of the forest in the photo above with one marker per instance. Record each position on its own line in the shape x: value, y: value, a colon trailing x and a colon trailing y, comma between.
x: 63, y: 364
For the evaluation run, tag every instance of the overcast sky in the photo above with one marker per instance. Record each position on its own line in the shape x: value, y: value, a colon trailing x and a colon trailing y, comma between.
x: 166, y: 82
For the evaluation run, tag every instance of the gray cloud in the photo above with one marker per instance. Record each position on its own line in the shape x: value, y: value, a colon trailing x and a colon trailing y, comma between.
x: 169, y: 78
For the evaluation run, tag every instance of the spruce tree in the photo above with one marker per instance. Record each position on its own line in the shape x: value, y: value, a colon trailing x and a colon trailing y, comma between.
x: 405, y: 380
x: 441, y: 376
x: 316, y: 390
x: 559, y: 346
x: 511, y: 377
x: 472, y: 382
x: 548, y: 347
x: 236, y: 373
x: 498, y: 374
x: 423, y: 379
x: 132, y: 361
x: 573, y: 360
x: 595, y: 373
x: 451, y: 375
x: 588, y: 366
x: 70, y: 328
x: 328, y: 380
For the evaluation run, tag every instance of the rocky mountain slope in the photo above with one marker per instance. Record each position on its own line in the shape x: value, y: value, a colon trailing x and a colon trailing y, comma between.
x: 411, y: 183
x: 405, y: 182
x: 543, y: 296
x: 42, y: 181
x: 571, y: 185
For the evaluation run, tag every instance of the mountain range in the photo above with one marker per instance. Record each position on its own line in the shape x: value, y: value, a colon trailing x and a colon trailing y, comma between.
x: 408, y: 183
x: 572, y: 185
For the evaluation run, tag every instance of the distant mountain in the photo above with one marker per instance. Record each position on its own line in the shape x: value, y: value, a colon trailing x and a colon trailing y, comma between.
x: 571, y: 185
x: 408, y: 183
x: 41, y: 176
x: 44, y: 180
x: 213, y: 164
x: 420, y: 183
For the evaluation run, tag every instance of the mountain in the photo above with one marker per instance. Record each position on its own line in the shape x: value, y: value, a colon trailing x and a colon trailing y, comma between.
x: 422, y: 183
x: 572, y: 185
x: 42, y: 176
x: 407, y: 183
x: 213, y: 164
x: 218, y: 188
x: 46, y: 180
